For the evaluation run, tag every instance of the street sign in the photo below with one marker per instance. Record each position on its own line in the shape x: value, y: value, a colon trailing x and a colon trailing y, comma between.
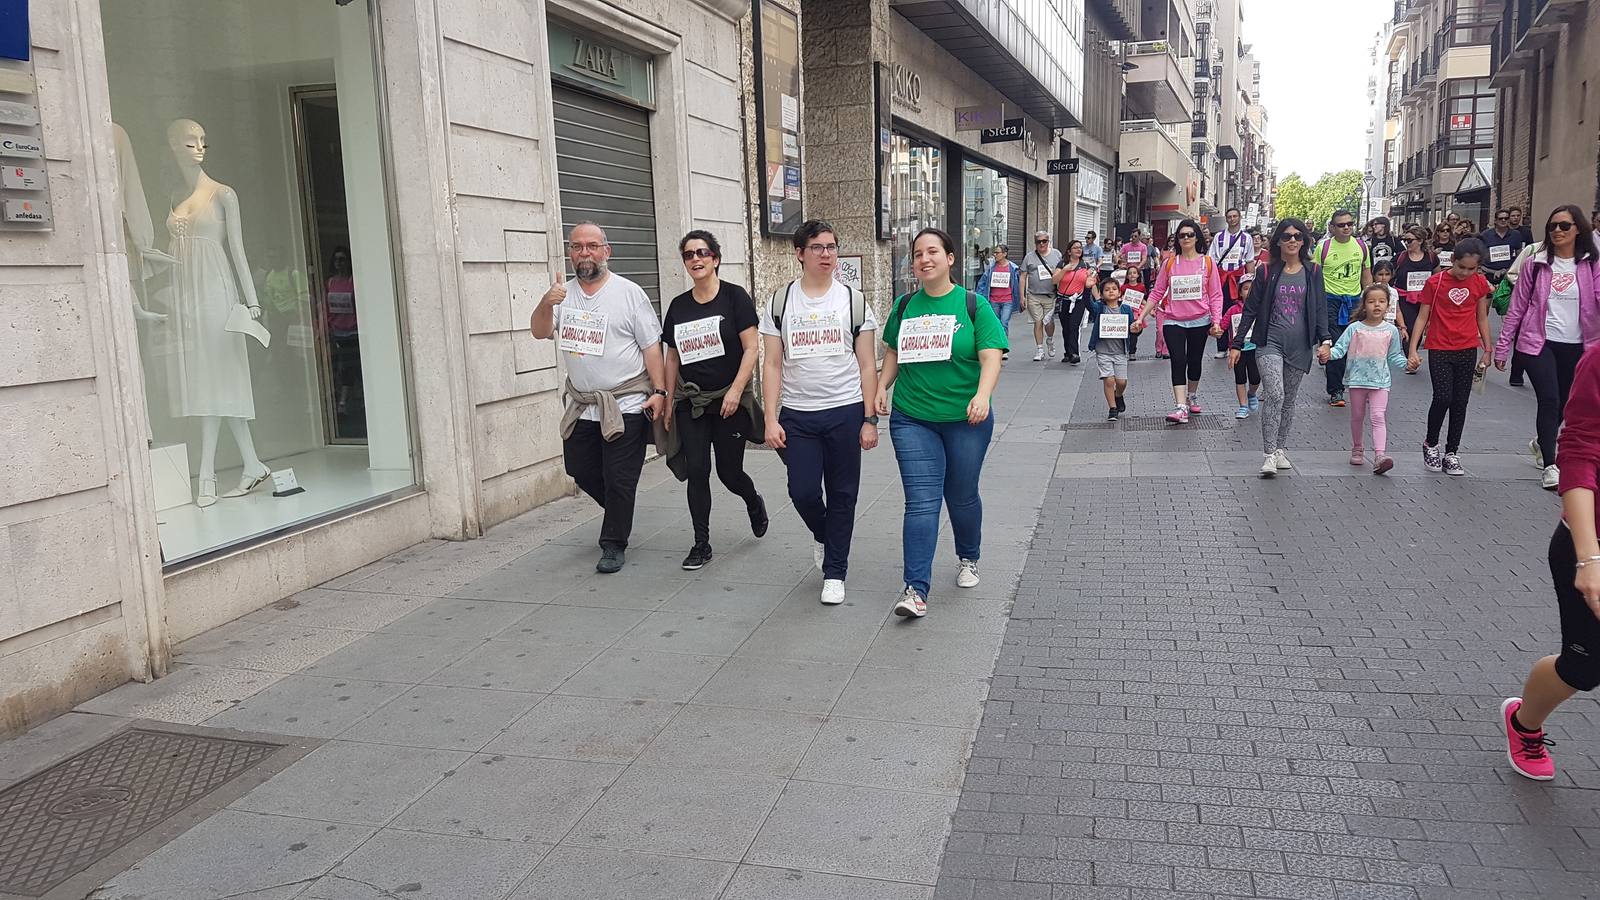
x: 1062, y: 166
x: 1011, y: 130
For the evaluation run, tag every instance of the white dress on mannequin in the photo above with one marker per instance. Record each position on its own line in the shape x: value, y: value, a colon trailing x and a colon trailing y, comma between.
x: 209, y: 374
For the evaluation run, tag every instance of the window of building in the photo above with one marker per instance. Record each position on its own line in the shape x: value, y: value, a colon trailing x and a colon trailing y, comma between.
x: 1467, y: 117
x: 993, y: 206
x: 255, y: 215
x: 916, y: 199
x: 1547, y: 106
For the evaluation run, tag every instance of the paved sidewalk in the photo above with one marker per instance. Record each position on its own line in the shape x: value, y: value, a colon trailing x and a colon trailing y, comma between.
x: 499, y: 721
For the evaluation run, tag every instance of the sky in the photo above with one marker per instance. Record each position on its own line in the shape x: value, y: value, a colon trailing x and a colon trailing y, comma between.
x: 1314, y: 66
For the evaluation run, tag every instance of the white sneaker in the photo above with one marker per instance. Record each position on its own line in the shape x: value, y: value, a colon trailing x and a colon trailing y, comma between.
x: 817, y: 554
x: 1269, y: 466
x: 1038, y: 354
x: 1538, y: 455
x: 967, y: 573
x: 1281, y: 460
x: 911, y: 604
x: 1551, y: 479
x: 832, y: 592
x: 1050, y: 347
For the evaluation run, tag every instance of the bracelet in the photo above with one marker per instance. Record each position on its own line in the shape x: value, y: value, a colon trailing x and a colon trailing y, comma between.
x: 1588, y: 561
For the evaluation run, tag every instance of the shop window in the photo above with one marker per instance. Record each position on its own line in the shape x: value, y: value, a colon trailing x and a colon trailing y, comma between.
x: 255, y: 216
x: 917, y: 200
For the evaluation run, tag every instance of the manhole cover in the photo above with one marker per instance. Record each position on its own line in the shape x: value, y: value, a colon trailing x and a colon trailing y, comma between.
x: 1160, y: 423
x: 81, y: 810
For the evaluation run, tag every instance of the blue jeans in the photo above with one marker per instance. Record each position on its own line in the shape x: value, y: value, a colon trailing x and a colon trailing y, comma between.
x: 823, y: 457
x: 939, y: 460
x: 1004, y: 311
x: 1340, y: 306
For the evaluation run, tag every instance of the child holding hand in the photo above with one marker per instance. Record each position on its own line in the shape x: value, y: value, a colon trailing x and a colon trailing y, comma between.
x: 1246, y: 374
x: 1113, y: 327
x: 1373, y: 346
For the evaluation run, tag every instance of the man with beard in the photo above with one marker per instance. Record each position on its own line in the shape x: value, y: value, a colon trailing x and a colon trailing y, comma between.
x: 611, y: 339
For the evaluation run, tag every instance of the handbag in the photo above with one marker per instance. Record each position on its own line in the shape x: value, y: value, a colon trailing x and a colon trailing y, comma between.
x: 1501, y: 298
x: 240, y: 322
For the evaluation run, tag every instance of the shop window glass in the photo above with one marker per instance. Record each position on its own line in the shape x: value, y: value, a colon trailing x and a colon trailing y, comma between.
x: 986, y: 222
x: 917, y: 200
x: 247, y: 136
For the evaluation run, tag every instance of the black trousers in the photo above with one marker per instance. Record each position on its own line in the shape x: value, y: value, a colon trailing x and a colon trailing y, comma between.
x: 608, y: 471
x: 1408, y: 314
x: 1451, y: 372
x: 1187, y: 346
x: 699, y: 436
x: 1551, y: 374
x: 824, y: 462
x: 1577, y: 664
x: 1070, y: 311
x: 1246, y: 371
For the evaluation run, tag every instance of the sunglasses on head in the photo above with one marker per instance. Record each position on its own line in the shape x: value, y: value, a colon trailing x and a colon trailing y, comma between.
x: 701, y: 252
x: 1563, y: 226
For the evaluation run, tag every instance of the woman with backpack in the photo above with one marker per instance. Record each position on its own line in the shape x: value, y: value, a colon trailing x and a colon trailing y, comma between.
x: 943, y: 360
x: 1189, y: 290
x: 1554, y: 313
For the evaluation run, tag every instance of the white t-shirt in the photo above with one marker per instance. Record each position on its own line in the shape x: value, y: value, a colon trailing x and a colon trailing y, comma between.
x: 1561, y: 322
x: 812, y: 383
x: 631, y: 328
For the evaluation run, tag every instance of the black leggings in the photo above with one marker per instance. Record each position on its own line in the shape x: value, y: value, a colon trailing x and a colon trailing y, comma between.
x: 1408, y: 314
x: 728, y: 437
x: 1451, y: 371
x: 1246, y: 371
x: 1578, y: 664
x: 1188, y: 349
x: 1070, y: 311
x: 1551, y: 374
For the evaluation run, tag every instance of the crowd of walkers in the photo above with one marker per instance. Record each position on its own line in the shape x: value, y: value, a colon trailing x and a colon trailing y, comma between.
x: 1362, y: 305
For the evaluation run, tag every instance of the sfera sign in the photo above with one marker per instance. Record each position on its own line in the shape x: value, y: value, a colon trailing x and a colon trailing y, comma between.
x: 1011, y: 130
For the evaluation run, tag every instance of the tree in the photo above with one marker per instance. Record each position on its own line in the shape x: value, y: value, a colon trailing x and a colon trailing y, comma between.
x: 1315, y: 204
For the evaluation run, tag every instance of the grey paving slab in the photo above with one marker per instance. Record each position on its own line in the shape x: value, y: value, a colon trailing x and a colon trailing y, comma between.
x: 765, y: 883
x: 445, y: 718
x: 510, y: 798
x: 850, y: 830
x: 187, y: 696
x: 514, y: 666
x: 623, y: 592
x: 404, y: 658
x: 903, y: 645
x: 588, y: 729
x: 43, y: 746
x: 457, y: 618
x: 902, y: 695
x: 428, y: 867
x: 679, y: 812
x: 350, y: 610
x: 358, y: 784
x: 268, y: 647
x: 307, y: 705
x: 727, y: 598
x: 815, y: 641
x: 581, y: 873
x: 642, y: 675
x: 690, y: 632
x: 752, y: 741
x: 894, y: 755
x: 568, y: 626
x: 781, y: 684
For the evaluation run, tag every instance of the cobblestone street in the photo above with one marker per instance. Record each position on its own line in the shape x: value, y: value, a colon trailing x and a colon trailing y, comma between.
x: 1176, y: 679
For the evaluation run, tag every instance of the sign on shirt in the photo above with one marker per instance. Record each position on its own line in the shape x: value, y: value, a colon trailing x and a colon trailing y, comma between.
x: 1500, y: 253
x: 817, y: 334
x: 925, y: 339
x: 1416, y: 281
x: 1000, y: 279
x: 699, y: 340
x: 583, y: 331
x: 1186, y: 287
x: 1114, y: 325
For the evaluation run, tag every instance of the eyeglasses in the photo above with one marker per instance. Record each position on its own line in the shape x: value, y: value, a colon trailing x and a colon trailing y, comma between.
x: 1344, y: 224
x: 1562, y: 226
x: 591, y: 247
x: 823, y: 248
x: 1288, y: 236
x: 701, y: 252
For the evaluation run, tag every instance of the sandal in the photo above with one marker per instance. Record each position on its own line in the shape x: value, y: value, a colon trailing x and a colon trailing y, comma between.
x: 207, y: 494
x: 248, y: 483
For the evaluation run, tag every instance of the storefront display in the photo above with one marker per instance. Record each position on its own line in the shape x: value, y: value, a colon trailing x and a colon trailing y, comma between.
x: 917, y: 199
x: 992, y: 205
x: 254, y: 211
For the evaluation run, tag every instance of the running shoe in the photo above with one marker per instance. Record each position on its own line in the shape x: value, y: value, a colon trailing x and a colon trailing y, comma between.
x: 1194, y: 406
x: 1514, y: 382
x: 1526, y: 750
x: 1038, y: 354
x: 699, y: 555
x: 1383, y: 465
x: 1220, y: 354
x: 1269, y: 466
x: 1255, y: 403
x: 1432, y: 459
x: 832, y: 591
x: 612, y: 559
x: 1281, y: 458
x: 1452, y: 464
x: 1122, y: 405
x: 967, y: 573
x: 1538, y: 455
x: 1551, y: 479
x: 1112, y: 414
x: 1357, y: 458
x: 1336, y: 400
x: 911, y: 604
x: 758, y: 517
x: 1179, y: 416
x: 1243, y: 413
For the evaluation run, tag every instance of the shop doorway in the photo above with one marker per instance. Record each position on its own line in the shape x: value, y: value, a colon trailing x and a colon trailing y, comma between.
x: 604, y: 165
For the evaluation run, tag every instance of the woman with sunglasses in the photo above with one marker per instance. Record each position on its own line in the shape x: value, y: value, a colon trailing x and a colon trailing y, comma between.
x: 710, y: 332
x: 1189, y: 290
x: 1074, y: 289
x: 1554, y: 313
x: 1412, y: 269
x: 1287, y: 320
x: 1444, y: 245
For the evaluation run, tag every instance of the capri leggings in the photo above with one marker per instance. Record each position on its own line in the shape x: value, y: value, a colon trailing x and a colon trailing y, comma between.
x: 1246, y: 371
x: 1451, y: 372
x: 1188, y: 349
x: 1579, y: 661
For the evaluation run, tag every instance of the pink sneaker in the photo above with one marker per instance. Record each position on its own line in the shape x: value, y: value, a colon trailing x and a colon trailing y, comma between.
x: 1357, y: 458
x: 1526, y: 751
x: 1194, y: 406
x: 1179, y: 416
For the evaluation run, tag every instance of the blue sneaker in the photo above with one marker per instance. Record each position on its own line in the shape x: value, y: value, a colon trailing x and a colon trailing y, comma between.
x: 1255, y: 403
x: 1243, y: 413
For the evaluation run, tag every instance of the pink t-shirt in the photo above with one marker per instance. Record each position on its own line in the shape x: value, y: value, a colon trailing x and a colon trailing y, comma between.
x: 1136, y: 255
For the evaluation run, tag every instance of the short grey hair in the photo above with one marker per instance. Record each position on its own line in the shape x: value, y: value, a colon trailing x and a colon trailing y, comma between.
x: 1041, y: 234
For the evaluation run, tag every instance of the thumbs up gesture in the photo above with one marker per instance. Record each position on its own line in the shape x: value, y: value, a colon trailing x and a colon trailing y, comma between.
x: 557, y: 292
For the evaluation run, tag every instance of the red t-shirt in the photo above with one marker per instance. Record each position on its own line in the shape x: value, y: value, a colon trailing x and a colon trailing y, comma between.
x: 1453, y: 321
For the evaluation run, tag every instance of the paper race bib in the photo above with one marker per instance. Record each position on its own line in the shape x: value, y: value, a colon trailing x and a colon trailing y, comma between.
x: 1390, y: 314
x: 925, y: 339
x: 1135, y: 257
x: 817, y: 334
x: 699, y: 340
x: 1133, y: 298
x: 1000, y: 279
x: 583, y: 331
x: 1232, y: 258
x: 1235, y: 326
x: 1500, y: 253
x: 1114, y: 325
x: 1044, y: 272
x: 1416, y: 281
x: 1186, y: 287
x: 1445, y: 258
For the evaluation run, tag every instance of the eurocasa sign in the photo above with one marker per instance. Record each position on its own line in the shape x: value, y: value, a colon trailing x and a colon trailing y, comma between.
x: 1010, y: 130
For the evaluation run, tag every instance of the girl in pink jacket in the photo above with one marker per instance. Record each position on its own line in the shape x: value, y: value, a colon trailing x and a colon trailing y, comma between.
x: 1189, y: 291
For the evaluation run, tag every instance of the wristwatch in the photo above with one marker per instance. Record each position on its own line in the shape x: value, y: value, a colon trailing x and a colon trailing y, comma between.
x: 870, y: 420
x: 659, y: 391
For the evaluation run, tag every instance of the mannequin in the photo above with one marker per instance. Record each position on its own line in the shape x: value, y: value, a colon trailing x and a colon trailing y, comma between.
x: 138, y: 234
x: 211, y: 368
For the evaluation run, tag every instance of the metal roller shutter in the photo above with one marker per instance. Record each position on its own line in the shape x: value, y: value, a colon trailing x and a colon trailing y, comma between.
x: 603, y: 162
x: 1016, y: 215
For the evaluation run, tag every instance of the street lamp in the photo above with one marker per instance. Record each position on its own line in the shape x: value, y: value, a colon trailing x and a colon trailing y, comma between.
x: 1368, y: 180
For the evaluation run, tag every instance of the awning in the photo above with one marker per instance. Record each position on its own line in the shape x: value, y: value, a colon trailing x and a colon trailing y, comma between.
x: 1476, y: 178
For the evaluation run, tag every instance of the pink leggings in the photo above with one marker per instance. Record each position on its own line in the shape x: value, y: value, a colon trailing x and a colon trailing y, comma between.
x: 1371, y: 404
x: 1161, y: 332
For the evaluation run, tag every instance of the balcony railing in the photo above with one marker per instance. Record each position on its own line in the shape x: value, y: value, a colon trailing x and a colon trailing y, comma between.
x: 1468, y: 28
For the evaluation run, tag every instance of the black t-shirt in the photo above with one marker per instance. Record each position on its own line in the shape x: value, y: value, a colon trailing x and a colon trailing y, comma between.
x: 1403, y: 268
x: 738, y: 312
x: 1512, y: 242
x: 1385, y: 248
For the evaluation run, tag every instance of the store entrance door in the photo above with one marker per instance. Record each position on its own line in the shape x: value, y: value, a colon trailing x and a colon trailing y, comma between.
x: 603, y: 163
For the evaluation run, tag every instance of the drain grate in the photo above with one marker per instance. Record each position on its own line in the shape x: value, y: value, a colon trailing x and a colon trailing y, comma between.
x: 1160, y: 423
x: 1090, y: 426
x: 81, y: 810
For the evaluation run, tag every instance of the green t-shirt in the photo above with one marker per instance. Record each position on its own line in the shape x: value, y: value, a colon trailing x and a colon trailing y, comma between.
x: 1341, y: 271
x: 940, y: 391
